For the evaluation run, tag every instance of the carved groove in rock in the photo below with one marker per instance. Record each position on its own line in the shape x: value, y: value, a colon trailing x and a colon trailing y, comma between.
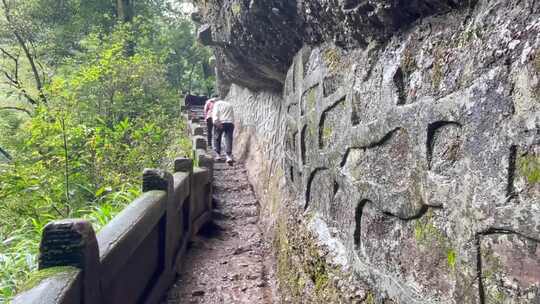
x: 358, y: 222
x: 400, y: 87
x: 309, y: 185
x: 292, y: 108
x: 309, y: 100
x: 331, y: 84
x: 336, y: 188
x: 355, y: 120
x: 303, y: 139
x: 375, y: 144
x: 444, y: 140
x: 323, y: 129
x: 510, y: 191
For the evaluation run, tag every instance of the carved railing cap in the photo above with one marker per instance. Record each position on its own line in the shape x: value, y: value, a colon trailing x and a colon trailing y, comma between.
x: 155, y: 179
x: 183, y: 164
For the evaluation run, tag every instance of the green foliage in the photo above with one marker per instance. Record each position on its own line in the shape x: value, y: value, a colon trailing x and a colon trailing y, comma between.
x: 110, y: 113
x: 529, y: 167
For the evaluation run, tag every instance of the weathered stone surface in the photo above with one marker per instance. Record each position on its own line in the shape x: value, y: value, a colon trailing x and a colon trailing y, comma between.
x: 199, y: 142
x: 199, y: 131
x: 156, y: 179
x: 61, y: 285
x: 410, y: 131
x: 72, y: 243
x: 256, y: 41
x: 183, y: 165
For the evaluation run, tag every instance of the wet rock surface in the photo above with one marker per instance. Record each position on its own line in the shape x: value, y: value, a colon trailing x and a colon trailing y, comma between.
x: 229, y: 262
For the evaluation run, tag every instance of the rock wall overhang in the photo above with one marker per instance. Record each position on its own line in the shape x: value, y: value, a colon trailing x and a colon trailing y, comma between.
x: 255, y: 41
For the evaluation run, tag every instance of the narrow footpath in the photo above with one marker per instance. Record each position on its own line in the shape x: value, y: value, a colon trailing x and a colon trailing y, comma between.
x: 229, y: 262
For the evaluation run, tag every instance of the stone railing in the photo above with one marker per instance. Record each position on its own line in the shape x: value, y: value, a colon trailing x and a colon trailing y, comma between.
x: 135, y: 258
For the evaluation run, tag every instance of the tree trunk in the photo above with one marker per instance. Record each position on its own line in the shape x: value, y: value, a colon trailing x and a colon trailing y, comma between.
x: 191, y: 78
x: 124, y: 10
x: 66, y: 165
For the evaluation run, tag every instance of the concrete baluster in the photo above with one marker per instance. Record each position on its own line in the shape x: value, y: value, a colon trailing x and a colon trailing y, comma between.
x: 185, y: 165
x: 73, y: 242
x: 199, y: 143
x: 160, y: 180
x: 198, y: 131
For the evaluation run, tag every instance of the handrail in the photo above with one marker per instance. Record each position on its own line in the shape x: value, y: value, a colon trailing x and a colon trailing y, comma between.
x: 135, y: 257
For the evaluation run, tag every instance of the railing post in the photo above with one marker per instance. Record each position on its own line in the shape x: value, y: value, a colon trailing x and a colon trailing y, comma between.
x: 156, y: 179
x: 199, y: 142
x: 185, y: 165
x: 198, y: 130
x: 73, y: 242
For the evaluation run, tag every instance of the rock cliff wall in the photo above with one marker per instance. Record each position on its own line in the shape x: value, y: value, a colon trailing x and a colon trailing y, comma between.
x: 395, y: 145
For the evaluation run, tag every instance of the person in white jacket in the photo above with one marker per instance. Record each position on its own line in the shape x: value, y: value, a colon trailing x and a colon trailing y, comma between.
x: 223, y: 118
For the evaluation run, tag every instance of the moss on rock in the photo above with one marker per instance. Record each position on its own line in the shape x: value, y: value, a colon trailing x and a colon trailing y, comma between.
x: 37, y: 277
x: 529, y: 168
x: 429, y: 237
x: 304, y: 274
x: 332, y: 59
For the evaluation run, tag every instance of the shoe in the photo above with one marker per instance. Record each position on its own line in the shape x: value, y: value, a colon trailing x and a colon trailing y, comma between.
x: 229, y: 160
x: 219, y: 158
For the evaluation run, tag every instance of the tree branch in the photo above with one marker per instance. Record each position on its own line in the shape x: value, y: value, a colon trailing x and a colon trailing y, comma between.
x: 13, y: 76
x: 5, y: 153
x: 31, y: 59
x: 17, y: 109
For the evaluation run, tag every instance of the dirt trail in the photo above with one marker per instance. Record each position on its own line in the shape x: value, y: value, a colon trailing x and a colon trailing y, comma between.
x: 229, y: 262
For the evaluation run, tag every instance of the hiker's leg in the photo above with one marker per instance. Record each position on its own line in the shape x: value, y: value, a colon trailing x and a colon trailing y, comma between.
x: 229, y: 131
x: 217, y: 139
x: 209, y: 127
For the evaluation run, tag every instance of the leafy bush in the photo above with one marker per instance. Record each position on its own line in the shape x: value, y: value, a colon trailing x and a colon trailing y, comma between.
x: 110, y: 113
